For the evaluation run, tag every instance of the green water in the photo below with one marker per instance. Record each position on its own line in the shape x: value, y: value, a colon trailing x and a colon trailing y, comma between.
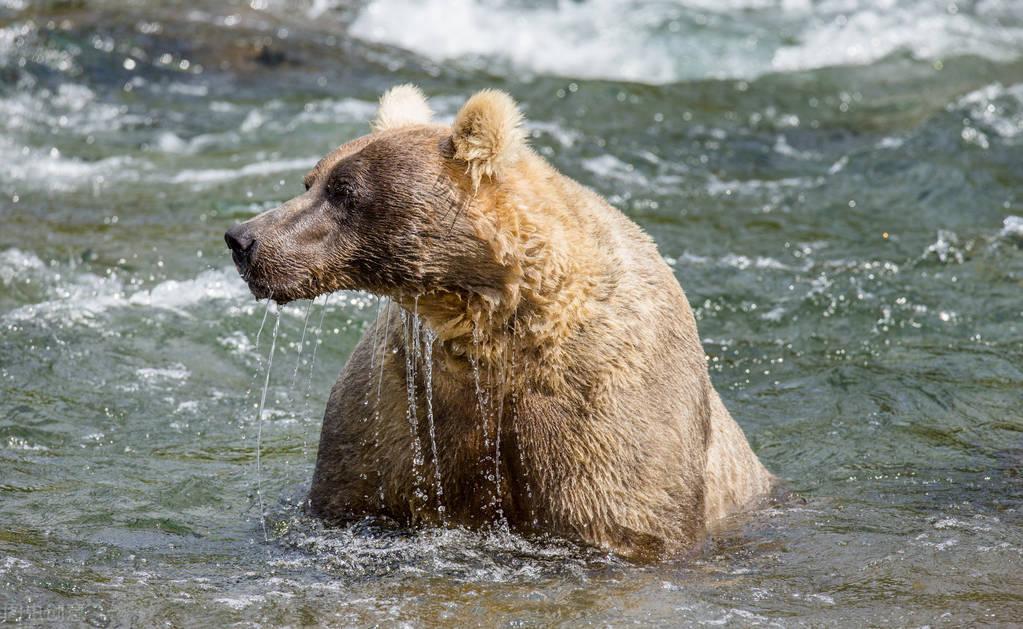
x: 838, y: 186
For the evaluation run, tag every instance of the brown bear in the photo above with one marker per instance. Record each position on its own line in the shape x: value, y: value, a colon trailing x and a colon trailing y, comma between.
x: 536, y: 365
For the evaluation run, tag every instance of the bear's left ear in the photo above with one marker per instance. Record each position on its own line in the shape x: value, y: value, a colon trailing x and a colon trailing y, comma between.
x: 402, y: 106
x: 487, y: 134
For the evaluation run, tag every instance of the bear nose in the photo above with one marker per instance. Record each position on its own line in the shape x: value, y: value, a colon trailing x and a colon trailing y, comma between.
x: 239, y: 239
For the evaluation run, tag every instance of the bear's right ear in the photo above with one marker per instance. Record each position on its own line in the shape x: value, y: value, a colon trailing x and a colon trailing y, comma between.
x: 402, y: 106
x: 488, y: 134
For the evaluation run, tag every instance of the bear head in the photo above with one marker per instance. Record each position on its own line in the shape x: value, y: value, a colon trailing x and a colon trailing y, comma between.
x: 407, y: 210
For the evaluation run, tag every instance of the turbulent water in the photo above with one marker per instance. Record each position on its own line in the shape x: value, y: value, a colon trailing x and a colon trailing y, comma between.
x: 838, y: 185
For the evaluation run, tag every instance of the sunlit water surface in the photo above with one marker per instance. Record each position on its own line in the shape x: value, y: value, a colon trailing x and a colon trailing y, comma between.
x: 838, y: 186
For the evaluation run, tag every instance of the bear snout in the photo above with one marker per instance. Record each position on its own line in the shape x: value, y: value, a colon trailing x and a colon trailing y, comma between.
x: 240, y: 240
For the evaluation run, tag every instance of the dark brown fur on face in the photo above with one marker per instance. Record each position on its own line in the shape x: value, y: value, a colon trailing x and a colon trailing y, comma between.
x: 381, y: 214
x: 567, y: 389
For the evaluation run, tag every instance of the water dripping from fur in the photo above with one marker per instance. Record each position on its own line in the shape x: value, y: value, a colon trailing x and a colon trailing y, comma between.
x: 317, y: 332
x: 269, y: 303
x: 374, y: 350
x: 312, y: 363
x: 384, y: 348
x: 429, y: 337
x: 383, y: 324
x: 410, y: 339
x: 514, y: 400
x: 484, y: 402
x: 259, y: 332
x: 259, y: 424
x: 376, y: 334
x: 301, y: 342
x: 497, y: 422
x: 481, y: 396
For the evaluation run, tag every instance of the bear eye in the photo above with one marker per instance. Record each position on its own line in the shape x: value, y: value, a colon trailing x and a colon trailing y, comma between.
x: 340, y: 191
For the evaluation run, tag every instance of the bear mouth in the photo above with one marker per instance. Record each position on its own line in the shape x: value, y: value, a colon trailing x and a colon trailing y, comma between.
x: 260, y: 289
x: 281, y: 292
x: 261, y: 292
x: 283, y: 280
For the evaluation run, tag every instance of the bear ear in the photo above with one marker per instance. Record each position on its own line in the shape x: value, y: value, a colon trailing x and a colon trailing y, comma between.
x: 402, y: 106
x: 487, y: 134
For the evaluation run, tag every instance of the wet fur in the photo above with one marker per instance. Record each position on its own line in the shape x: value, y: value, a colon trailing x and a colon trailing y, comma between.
x: 602, y: 424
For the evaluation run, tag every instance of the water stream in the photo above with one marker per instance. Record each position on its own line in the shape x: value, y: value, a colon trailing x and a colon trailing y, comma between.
x: 259, y: 422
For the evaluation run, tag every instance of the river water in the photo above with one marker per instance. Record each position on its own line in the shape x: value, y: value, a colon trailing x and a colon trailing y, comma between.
x: 838, y: 185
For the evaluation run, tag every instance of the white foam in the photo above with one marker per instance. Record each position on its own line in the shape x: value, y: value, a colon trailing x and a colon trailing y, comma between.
x: 76, y: 301
x: 18, y: 443
x: 9, y: 562
x: 72, y: 108
x: 15, y: 40
x: 188, y: 406
x: 175, y: 372
x: 664, y: 42
x: 782, y: 147
x: 610, y: 167
x: 889, y: 143
x: 240, y: 602
x: 859, y: 32
x: 197, y: 90
x: 1012, y: 227
x: 170, y: 142
x: 742, y: 262
x: 179, y: 294
x: 720, y: 187
x: 264, y: 120
x: 52, y: 170
x: 218, y: 175
x: 14, y: 263
x: 946, y: 248
x: 996, y: 107
x: 564, y: 137
x: 253, y: 120
x: 977, y: 523
x: 238, y: 343
x: 89, y: 295
x: 320, y: 7
x: 330, y: 111
x: 774, y: 314
x: 574, y: 39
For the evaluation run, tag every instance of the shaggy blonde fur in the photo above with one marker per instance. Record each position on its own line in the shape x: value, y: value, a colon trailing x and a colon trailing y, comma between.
x: 488, y: 134
x: 568, y: 389
x: 402, y: 106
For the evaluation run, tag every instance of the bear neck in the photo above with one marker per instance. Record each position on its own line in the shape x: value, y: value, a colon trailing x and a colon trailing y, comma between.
x: 553, y: 272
